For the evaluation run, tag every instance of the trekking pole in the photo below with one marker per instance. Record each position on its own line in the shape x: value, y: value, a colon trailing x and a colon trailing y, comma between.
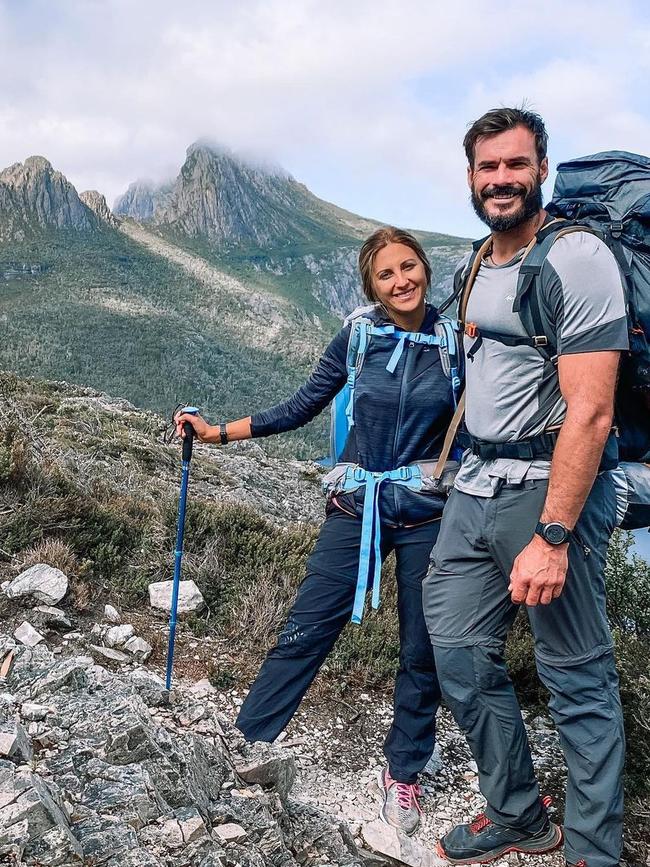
x: 178, y: 553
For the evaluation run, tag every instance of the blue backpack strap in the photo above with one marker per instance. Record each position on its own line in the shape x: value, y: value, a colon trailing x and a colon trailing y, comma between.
x: 357, y: 346
x: 410, y: 477
x: 402, y: 337
x: 451, y: 353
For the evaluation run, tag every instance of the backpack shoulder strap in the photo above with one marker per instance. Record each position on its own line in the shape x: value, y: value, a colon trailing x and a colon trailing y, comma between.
x: 528, y: 283
x: 480, y: 249
x: 451, y: 354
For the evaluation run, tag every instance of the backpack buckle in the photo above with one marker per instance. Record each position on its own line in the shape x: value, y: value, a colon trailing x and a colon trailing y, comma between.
x: 616, y: 229
x: 471, y: 329
x: 540, y: 340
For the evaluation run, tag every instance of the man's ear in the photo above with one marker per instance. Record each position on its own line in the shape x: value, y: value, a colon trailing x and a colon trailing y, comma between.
x: 470, y: 176
x: 543, y: 170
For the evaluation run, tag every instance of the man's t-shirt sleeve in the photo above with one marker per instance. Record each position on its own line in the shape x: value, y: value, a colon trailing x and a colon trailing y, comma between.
x: 583, y: 291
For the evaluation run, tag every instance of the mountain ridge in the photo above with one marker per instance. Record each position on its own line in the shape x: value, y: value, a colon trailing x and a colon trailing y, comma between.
x: 241, y: 279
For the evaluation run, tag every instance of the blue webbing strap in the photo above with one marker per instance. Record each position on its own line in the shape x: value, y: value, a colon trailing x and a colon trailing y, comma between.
x: 402, y: 337
x: 454, y: 375
x: 410, y: 477
x: 356, y: 353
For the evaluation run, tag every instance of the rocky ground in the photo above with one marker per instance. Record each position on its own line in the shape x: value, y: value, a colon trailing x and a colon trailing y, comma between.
x: 100, y: 765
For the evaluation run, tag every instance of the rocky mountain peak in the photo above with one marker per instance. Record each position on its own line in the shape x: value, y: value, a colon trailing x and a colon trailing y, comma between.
x: 38, y: 164
x: 33, y: 195
x: 232, y: 200
x: 97, y: 203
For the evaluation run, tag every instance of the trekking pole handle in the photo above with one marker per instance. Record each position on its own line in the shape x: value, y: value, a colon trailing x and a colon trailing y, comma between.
x: 188, y: 440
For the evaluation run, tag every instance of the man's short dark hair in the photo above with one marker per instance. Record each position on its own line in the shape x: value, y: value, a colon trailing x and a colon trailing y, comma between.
x: 500, y: 120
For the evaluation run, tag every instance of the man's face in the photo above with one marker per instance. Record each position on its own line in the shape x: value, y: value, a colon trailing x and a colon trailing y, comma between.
x: 506, y: 181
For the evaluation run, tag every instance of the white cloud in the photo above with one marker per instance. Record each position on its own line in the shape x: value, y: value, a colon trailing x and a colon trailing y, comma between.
x: 379, y: 92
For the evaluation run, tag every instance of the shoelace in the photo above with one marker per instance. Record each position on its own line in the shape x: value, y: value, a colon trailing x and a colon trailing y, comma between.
x: 407, y: 796
x: 480, y: 822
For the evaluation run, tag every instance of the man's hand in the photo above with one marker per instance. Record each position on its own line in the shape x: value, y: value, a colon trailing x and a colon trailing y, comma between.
x: 539, y: 572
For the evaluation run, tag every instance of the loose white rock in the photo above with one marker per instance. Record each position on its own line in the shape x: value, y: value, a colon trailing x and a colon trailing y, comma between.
x: 27, y: 635
x: 54, y: 616
x: 389, y: 841
x: 138, y: 647
x: 112, y: 614
x: 14, y: 742
x: 230, y: 833
x: 117, y: 636
x: 189, y: 596
x: 109, y: 653
x: 30, y: 710
x: 43, y: 583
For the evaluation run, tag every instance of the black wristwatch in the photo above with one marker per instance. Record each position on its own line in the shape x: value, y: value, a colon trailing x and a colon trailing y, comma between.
x: 554, y: 532
x: 223, y: 434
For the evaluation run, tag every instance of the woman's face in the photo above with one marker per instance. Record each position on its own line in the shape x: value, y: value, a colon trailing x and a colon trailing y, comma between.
x: 399, y: 281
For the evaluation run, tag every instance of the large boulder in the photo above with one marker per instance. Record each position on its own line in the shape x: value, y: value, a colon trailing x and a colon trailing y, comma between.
x: 40, y: 582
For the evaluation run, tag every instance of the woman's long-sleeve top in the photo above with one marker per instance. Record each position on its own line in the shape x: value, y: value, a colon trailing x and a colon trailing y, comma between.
x: 400, y: 417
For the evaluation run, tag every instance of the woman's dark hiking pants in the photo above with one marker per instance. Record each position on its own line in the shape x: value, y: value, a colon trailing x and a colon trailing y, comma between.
x: 468, y: 610
x: 322, y: 608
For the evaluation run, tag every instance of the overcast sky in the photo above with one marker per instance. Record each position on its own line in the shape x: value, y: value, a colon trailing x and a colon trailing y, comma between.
x: 365, y: 101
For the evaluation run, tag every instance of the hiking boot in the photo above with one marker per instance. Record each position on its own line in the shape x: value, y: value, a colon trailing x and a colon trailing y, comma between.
x: 400, y: 808
x: 483, y: 840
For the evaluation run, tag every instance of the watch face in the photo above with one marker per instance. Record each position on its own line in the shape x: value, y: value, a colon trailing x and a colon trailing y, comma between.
x: 556, y: 534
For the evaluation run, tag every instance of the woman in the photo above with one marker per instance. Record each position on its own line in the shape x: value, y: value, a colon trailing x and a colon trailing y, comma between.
x: 403, y: 403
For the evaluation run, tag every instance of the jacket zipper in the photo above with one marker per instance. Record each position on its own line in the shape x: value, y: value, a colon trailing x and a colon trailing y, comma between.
x: 407, y: 365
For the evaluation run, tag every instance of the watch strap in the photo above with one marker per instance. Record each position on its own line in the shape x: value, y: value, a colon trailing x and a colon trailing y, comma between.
x: 542, y: 530
x: 223, y: 433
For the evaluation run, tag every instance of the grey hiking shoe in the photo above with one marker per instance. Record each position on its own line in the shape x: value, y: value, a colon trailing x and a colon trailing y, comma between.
x: 482, y: 840
x: 400, y: 808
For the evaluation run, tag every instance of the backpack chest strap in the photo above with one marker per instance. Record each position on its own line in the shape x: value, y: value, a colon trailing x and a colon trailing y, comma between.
x: 472, y: 330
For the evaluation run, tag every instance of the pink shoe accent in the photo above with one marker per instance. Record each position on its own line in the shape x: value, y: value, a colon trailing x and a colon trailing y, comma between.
x: 407, y: 793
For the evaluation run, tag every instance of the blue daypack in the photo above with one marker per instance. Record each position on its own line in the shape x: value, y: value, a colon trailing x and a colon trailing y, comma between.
x: 363, y: 329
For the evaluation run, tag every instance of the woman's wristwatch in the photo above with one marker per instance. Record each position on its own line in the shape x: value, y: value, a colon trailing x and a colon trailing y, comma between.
x: 223, y: 433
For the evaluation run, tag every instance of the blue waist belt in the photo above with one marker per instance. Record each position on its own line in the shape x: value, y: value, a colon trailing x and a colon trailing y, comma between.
x: 409, y: 477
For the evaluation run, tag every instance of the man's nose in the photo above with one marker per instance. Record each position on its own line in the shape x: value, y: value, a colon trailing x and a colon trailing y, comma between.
x: 503, y: 175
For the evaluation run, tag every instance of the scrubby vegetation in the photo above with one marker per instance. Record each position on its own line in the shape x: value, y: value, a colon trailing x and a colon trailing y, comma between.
x: 94, y: 492
x: 91, y: 488
x: 99, y: 310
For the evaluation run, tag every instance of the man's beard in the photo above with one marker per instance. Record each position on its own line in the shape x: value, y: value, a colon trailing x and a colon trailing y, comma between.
x: 530, y: 205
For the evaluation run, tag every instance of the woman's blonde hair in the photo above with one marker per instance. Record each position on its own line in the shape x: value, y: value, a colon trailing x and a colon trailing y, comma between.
x: 379, y: 239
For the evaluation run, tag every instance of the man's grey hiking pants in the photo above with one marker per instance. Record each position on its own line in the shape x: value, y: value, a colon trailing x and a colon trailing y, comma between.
x: 468, y: 612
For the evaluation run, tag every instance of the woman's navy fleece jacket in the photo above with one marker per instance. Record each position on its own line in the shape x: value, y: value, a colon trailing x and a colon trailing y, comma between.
x: 400, y: 417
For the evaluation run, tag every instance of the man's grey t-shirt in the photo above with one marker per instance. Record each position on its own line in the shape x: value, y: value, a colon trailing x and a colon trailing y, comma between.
x: 512, y: 392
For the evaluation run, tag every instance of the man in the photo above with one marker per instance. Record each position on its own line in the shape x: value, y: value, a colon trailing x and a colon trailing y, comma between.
x: 529, y: 522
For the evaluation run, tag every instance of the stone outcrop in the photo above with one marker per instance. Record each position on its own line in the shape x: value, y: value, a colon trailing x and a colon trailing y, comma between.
x: 97, y: 204
x: 116, y: 778
x: 33, y: 195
